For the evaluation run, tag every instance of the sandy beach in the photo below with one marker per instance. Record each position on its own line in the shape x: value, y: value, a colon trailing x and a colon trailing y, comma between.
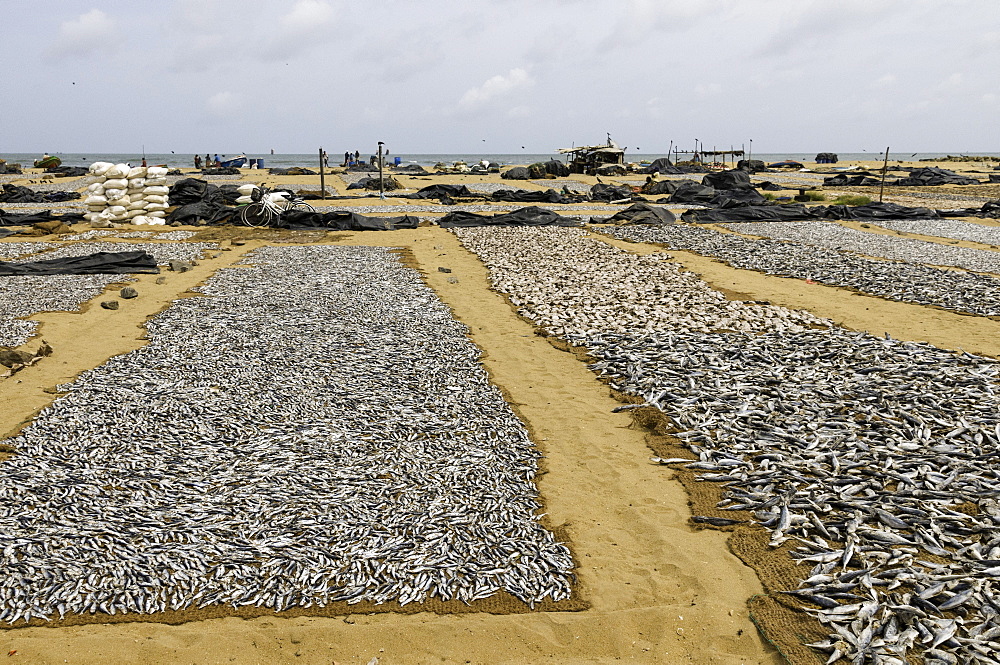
x: 651, y: 585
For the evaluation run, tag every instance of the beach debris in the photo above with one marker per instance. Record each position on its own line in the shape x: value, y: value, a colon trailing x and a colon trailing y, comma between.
x: 128, y: 293
x: 110, y: 304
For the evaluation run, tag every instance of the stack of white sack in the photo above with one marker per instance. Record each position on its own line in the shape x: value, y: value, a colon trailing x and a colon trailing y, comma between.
x: 123, y: 194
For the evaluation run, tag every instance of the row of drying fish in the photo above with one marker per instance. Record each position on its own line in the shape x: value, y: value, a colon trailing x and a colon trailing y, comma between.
x: 299, y: 437
x: 956, y: 229
x: 104, y: 233
x: 894, y: 280
x: 835, y: 236
x: 571, y: 285
x: 873, y: 459
x: 162, y: 252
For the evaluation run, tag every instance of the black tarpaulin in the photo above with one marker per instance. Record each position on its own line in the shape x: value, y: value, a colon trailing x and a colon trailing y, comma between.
x: 516, y: 173
x: 772, y: 213
x: 603, y: 192
x: 342, y: 220
x: 193, y: 190
x: 25, y: 219
x: 658, y: 187
x: 17, y: 194
x: 875, y: 211
x: 730, y: 197
x: 638, y: 213
x: 852, y: 180
x: 752, y: 165
x: 688, y: 191
x: 522, y: 217
x: 661, y: 165
x: 734, y: 179
x: 934, y: 176
x: 442, y: 192
x: 201, y: 212
x: 529, y: 196
x: 100, y: 263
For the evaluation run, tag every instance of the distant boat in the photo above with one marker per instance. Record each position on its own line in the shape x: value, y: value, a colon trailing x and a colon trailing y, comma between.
x: 47, y: 162
x: 238, y: 161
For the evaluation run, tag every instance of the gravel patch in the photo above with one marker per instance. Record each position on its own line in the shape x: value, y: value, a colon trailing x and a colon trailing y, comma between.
x: 835, y: 236
x: 300, y: 437
x: 893, y: 280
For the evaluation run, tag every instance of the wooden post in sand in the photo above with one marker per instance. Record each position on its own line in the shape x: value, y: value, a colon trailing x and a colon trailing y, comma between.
x: 322, y: 178
x: 885, y: 167
x: 381, y: 181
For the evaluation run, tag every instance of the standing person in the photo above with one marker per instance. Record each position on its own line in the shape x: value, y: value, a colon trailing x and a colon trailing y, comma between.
x: 326, y: 159
x: 208, y: 160
x: 357, y: 156
x: 197, y: 161
x: 347, y: 159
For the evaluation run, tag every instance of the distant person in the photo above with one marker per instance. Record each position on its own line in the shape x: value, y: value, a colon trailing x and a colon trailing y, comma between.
x: 347, y: 159
x: 216, y: 161
x: 357, y: 156
x: 197, y: 161
x: 208, y: 160
x: 326, y: 159
x: 143, y: 162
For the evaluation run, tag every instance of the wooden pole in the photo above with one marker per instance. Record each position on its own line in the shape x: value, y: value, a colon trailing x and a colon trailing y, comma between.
x: 381, y: 180
x: 670, y: 149
x: 885, y: 167
x: 322, y: 177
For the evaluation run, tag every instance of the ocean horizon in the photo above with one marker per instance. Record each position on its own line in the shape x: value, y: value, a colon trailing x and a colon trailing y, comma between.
x: 310, y: 160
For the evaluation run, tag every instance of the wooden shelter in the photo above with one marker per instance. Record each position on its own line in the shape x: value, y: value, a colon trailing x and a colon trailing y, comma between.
x: 588, y: 158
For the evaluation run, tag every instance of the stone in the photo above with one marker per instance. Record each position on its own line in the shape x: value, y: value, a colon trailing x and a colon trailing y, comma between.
x: 110, y: 304
x: 180, y: 266
x: 440, y: 269
x: 128, y: 292
x: 161, y: 280
x: 10, y: 357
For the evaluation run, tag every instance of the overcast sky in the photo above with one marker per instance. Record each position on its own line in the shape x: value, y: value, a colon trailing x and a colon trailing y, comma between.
x: 491, y: 76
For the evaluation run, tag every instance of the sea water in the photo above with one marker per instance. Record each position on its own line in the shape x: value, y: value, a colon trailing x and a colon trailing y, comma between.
x: 311, y: 160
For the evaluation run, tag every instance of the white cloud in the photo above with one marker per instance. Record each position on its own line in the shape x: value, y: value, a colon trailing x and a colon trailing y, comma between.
x: 707, y: 89
x: 519, y: 112
x: 223, y: 103
x: 883, y: 81
x: 308, y: 24
x: 307, y: 16
x: 85, y: 34
x: 498, y: 86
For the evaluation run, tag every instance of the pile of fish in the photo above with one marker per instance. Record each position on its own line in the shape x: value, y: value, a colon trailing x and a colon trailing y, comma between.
x: 894, y: 280
x: 910, y: 250
x: 318, y: 429
x: 13, y: 250
x: 571, y: 284
x: 873, y: 460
